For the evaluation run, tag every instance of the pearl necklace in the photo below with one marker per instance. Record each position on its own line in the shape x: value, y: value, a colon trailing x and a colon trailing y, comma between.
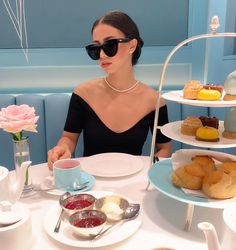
x: 120, y: 90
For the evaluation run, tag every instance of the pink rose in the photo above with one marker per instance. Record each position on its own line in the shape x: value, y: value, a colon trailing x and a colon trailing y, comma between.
x: 16, y: 118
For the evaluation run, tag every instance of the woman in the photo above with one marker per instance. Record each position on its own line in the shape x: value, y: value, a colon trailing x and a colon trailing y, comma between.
x: 115, y: 112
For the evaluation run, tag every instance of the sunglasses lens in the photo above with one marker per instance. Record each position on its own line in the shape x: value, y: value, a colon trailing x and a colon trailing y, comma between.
x: 93, y: 51
x: 110, y: 47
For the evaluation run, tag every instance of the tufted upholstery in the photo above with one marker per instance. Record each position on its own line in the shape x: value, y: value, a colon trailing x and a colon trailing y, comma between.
x: 52, y: 110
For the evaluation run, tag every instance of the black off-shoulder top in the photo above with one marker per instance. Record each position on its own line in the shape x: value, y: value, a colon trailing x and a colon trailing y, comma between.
x: 98, y: 138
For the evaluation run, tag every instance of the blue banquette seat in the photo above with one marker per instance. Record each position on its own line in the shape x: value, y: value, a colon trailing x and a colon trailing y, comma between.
x: 52, y: 110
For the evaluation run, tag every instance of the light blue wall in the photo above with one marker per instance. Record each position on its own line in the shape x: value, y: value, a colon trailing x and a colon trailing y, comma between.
x: 200, y: 23
x: 67, y: 24
x: 220, y: 65
x: 62, y: 69
x: 230, y: 26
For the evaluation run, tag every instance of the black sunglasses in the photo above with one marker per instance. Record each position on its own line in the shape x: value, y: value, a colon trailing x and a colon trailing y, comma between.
x: 109, y: 47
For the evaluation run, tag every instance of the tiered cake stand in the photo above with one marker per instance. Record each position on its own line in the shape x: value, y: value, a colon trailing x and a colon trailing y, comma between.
x: 172, y: 129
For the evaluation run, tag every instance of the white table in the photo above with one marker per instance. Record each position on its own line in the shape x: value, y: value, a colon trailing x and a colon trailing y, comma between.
x: 163, y: 217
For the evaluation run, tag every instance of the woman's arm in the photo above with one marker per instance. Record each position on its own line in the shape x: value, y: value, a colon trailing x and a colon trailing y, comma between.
x: 164, y: 150
x: 163, y: 143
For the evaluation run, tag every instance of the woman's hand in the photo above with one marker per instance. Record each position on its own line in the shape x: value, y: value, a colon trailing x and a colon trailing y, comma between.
x: 57, y: 153
x: 64, y: 149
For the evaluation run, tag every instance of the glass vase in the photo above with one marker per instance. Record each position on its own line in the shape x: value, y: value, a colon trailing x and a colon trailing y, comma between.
x: 21, y: 154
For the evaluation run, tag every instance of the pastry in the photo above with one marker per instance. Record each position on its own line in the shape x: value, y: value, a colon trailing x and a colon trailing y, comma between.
x: 230, y: 87
x: 220, y: 88
x: 229, y: 135
x: 190, y: 125
x: 206, y: 133
x: 191, y: 89
x: 228, y: 167
x: 205, y: 161
x: 208, y: 95
x: 188, y: 176
x: 201, y: 173
x: 210, y: 121
x: 228, y: 97
x: 220, y: 185
x: 230, y: 124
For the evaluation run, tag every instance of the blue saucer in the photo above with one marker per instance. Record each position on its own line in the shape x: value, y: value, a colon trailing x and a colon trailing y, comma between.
x: 47, y: 183
x: 84, y: 178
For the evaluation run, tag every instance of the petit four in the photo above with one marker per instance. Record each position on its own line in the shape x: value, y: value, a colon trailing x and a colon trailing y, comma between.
x: 208, y: 95
x: 210, y: 121
x: 191, y: 89
x: 206, y: 133
x: 217, y: 87
x: 190, y: 125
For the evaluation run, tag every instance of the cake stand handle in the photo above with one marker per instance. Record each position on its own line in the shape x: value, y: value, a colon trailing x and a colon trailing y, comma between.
x: 189, y: 217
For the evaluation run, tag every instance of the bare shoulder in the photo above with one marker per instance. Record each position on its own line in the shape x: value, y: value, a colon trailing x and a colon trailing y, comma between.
x: 87, y: 88
x: 152, y: 95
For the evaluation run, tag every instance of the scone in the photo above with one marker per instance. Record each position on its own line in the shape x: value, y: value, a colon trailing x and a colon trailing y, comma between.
x: 191, y: 89
x: 228, y: 167
x: 190, y: 125
x: 219, y: 185
x: 205, y: 161
x: 207, y: 134
x: 188, y: 176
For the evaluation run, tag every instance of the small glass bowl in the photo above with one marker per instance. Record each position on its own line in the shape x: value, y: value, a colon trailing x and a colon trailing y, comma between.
x: 87, y: 223
x: 78, y: 202
x: 113, y: 206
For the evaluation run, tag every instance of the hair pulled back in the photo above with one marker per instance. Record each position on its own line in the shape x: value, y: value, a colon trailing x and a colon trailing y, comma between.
x: 126, y: 25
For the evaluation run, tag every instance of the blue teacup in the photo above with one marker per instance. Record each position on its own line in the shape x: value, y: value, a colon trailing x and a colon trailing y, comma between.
x: 67, y: 173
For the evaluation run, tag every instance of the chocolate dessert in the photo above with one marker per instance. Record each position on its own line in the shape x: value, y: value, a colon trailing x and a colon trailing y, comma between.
x: 220, y: 88
x: 210, y: 121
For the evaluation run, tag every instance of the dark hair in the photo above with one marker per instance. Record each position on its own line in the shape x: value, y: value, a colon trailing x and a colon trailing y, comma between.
x: 125, y: 24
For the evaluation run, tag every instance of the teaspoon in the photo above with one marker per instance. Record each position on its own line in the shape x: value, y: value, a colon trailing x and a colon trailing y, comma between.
x: 130, y: 213
x: 62, y: 198
x: 76, y: 187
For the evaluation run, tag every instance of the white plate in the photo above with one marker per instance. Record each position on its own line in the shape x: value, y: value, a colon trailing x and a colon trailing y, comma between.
x: 172, y: 130
x: 177, y: 96
x: 112, y: 164
x: 65, y: 235
x: 48, y: 182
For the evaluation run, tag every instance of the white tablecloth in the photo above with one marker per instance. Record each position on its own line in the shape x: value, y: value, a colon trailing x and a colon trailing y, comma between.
x: 163, y: 217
